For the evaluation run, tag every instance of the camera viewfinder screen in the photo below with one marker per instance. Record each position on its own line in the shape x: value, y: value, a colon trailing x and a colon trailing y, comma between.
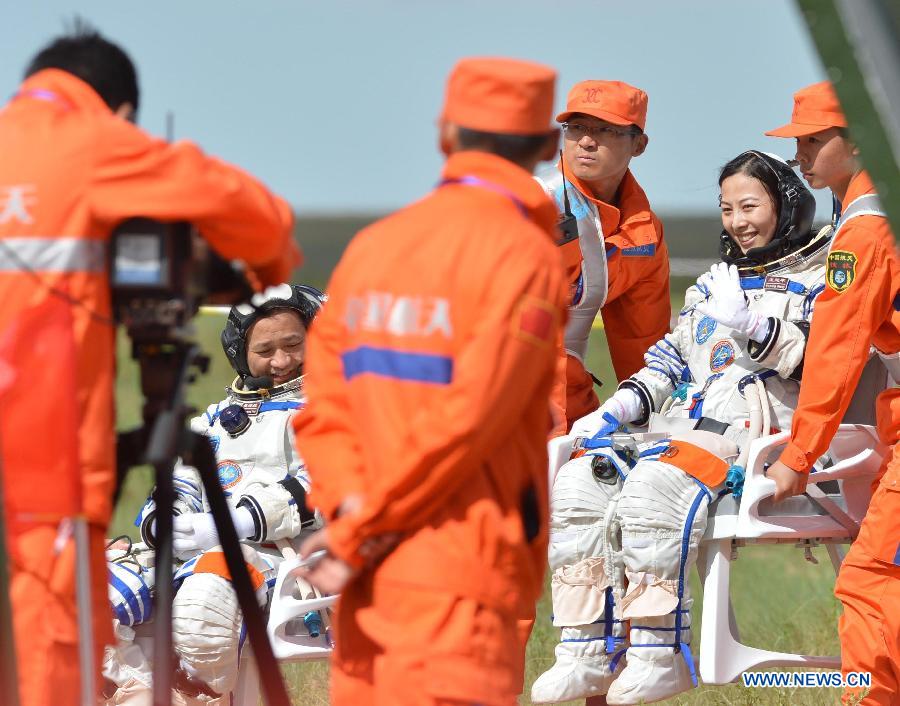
x: 139, y: 260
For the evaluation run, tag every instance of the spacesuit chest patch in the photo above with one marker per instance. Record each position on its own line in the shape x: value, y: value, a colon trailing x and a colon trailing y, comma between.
x: 251, y: 407
x: 776, y: 284
x: 229, y: 473
x: 721, y: 356
x: 705, y: 328
x: 840, y: 269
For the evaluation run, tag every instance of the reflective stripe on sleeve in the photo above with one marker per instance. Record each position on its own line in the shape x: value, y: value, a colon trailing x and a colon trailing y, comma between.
x: 49, y: 254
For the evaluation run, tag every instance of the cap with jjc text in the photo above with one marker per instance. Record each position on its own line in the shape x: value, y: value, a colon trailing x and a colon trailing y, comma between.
x: 613, y: 101
x: 500, y: 95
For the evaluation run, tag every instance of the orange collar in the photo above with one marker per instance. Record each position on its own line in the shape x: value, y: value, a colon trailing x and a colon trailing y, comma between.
x: 631, y: 223
x: 860, y: 185
x: 63, y: 89
x: 508, y: 176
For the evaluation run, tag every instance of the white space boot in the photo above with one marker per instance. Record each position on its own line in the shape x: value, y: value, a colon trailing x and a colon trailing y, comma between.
x: 652, y: 673
x: 581, y: 669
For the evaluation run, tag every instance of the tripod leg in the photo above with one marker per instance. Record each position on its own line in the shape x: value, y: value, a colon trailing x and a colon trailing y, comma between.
x: 270, y: 675
x: 85, y: 612
x: 162, y: 619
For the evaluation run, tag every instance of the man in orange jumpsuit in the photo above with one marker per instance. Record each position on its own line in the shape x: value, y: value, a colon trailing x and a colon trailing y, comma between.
x: 858, y: 309
x: 429, y: 375
x: 73, y: 167
x: 619, y: 265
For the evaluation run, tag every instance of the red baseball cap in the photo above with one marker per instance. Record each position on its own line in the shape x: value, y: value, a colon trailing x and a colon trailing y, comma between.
x: 613, y: 101
x: 500, y: 95
x: 816, y: 108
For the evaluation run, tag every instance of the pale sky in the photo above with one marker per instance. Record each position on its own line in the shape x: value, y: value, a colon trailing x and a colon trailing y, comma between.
x: 333, y: 102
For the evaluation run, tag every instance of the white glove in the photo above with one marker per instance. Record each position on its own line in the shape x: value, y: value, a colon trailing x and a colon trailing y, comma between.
x: 196, y: 531
x: 623, y: 407
x: 727, y: 302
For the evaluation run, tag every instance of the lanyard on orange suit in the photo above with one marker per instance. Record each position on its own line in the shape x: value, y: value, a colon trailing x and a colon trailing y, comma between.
x: 469, y: 180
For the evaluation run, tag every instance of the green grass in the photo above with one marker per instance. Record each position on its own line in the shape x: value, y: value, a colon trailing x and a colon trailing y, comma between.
x: 781, y: 601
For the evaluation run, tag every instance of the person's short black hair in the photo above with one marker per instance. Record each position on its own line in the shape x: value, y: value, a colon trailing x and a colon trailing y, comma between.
x: 85, y: 53
x: 515, y: 148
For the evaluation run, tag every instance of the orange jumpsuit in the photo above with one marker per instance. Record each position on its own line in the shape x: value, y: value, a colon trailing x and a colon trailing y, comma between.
x: 637, y: 311
x: 858, y: 309
x: 71, y: 170
x: 429, y: 374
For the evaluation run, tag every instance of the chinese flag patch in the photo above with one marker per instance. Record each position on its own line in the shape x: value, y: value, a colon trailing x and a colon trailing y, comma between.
x: 535, y: 320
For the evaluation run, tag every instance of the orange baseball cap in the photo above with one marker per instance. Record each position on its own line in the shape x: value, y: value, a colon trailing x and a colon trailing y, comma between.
x: 613, y: 101
x: 500, y: 95
x: 816, y: 108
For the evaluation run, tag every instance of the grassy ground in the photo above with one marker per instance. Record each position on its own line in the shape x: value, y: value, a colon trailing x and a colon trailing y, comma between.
x: 781, y: 601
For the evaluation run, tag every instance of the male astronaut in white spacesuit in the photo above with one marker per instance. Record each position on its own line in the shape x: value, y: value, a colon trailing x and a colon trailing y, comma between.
x: 266, y: 485
x: 727, y: 373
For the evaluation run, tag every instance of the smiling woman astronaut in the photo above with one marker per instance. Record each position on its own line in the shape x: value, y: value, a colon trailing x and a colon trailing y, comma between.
x: 734, y: 358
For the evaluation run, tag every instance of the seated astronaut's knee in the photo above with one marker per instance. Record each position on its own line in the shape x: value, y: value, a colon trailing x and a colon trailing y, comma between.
x: 663, y: 515
x: 582, y: 492
x: 206, y: 630
x: 207, y: 620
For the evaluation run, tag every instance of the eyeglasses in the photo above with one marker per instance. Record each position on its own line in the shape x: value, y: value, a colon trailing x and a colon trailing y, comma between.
x: 575, y: 131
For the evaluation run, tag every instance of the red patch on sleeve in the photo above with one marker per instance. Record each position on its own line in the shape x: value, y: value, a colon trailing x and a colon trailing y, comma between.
x: 535, y: 321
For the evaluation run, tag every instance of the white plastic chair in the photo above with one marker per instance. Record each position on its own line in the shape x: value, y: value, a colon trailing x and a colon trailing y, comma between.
x: 817, y: 518
x: 289, y: 638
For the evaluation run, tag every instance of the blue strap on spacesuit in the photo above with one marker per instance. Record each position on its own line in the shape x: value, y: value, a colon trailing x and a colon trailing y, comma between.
x: 680, y: 646
x: 612, y: 456
x: 807, y: 309
x: 185, y: 570
x: 654, y: 452
x: 608, y: 621
x: 270, y: 405
x: 601, y: 438
x: 695, y: 410
x: 685, y: 545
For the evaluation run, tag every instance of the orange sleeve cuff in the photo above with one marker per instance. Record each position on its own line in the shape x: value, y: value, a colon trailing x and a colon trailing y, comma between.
x: 795, y: 458
x: 343, y: 541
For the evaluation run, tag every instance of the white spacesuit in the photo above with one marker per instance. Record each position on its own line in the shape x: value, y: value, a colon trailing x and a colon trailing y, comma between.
x: 727, y: 373
x: 265, y: 484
